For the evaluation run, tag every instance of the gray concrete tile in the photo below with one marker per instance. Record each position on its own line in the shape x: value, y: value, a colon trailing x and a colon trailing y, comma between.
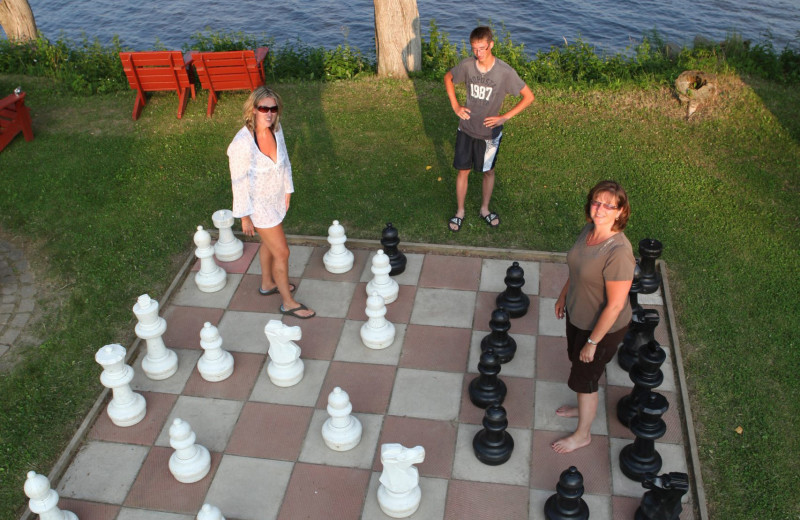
x: 431, y: 506
x: 443, y: 307
x: 493, y: 273
x: 408, y: 277
x: 174, y: 384
x: 515, y: 472
x: 141, y: 514
x: 352, y: 348
x: 315, y: 451
x: 549, y: 396
x: 523, y: 364
x: 212, y: 420
x: 304, y: 393
x: 298, y: 259
x: 673, y: 458
x: 655, y: 298
x: 246, y: 487
x: 426, y: 394
x: 615, y: 375
x: 189, y: 294
x: 549, y: 325
x: 102, y: 472
x: 599, y: 505
x: 244, y: 331
x: 329, y: 299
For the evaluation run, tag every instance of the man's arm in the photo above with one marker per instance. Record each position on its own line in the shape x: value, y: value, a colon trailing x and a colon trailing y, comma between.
x: 527, y: 99
x: 461, y: 111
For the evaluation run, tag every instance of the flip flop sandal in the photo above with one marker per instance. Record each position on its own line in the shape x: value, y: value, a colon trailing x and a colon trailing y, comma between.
x: 490, y: 217
x: 274, y: 290
x: 457, y: 221
x: 293, y: 312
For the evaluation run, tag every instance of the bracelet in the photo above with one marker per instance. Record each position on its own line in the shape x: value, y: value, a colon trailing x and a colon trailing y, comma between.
x: 590, y: 342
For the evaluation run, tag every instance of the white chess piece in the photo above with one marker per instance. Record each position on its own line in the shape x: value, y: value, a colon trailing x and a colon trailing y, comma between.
x: 190, y: 462
x: 44, y: 499
x: 210, y: 277
x: 338, y: 259
x: 377, y: 332
x: 285, y: 368
x: 216, y: 363
x: 228, y: 248
x: 209, y: 512
x: 126, y: 407
x: 399, y: 494
x: 341, y: 431
x: 160, y: 362
x: 381, y: 282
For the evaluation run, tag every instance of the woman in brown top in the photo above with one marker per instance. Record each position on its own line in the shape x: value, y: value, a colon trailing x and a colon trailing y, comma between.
x: 595, y: 302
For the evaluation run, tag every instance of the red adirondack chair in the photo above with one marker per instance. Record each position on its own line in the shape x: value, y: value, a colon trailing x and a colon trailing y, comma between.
x: 150, y: 71
x: 14, y: 118
x: 229, y: 70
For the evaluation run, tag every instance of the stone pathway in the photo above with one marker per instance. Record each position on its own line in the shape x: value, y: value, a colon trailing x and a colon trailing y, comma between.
x: 18, y: 293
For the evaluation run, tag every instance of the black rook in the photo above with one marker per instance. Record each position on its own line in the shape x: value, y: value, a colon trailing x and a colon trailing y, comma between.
x: 649, y: 251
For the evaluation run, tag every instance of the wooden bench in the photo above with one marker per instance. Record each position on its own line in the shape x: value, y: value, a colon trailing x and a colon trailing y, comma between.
x: 14, y: 118
x: 158, y: 70
x: 229, y: 70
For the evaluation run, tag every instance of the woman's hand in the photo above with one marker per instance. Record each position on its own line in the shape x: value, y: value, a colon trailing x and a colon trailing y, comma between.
x: 288, y: 198
x: 247, y: 227
x: 561, y: 308
x: 587, y: 353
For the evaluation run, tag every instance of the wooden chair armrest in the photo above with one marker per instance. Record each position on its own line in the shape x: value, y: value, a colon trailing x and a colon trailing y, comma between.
x: 261, y: 53
x: 11, y: 100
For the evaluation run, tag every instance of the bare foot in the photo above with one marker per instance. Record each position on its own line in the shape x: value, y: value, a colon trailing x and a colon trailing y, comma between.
x: 567, y: 411
x: 571, y: 443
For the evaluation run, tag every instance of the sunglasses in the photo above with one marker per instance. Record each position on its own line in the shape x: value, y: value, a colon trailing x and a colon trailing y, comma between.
x: 264, y: 109
x: 597, y: 204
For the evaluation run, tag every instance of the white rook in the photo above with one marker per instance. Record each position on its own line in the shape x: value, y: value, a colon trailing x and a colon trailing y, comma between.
x: 228, y: 248
x: 381, y: 282
x: 377, y: 332
x: 341, y: 431
x: 216, y: 363
x: 44, y: 499
x: 160, y: 362
x: 190, y: 462
x: 211, y: 277
x: 126, y: 407
x: 399, y: 494
x: 338, y: 259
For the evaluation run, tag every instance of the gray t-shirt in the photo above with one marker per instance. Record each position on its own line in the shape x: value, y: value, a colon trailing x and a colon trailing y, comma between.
x: 485, y: 93
x: 589, y: 268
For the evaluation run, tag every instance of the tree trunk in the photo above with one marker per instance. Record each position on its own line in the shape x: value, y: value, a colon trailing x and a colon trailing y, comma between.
x: 398, y: 41
x: 16, y: 19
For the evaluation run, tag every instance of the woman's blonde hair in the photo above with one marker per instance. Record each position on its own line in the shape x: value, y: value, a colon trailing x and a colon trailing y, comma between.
x: 257, y: 95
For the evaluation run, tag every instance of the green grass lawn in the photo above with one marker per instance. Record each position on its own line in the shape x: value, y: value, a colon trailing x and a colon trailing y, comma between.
x: 108, y: 207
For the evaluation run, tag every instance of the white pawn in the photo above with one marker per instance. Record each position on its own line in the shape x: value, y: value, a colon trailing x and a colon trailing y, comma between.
x: 210, y: 277
x: 399, y: 494
x: 381, y: 282
x: 377, y: 332
x: 126, y: 407
x: 160, y: 362
x: 209, y: 512
x: 44, y: 499
x: 338, y: 259
x: 341, y: 431
x: 228, y: 248
x: 216, y: 363
x: 190, y: 462
x: 285, y: 368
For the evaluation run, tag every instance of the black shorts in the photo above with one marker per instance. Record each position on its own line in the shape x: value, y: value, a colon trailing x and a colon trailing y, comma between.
x: 477, y: 154
x: 583, y: 377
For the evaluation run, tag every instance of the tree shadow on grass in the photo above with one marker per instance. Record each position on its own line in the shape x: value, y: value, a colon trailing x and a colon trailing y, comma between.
x: 783, y: 101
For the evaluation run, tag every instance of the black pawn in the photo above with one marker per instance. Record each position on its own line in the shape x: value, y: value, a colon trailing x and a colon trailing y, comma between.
x: 642, y: 331
x: 641, y: 457
x: 649, y: 251
x: 646, y: 375
x: 499, y: 340
x: 663, y: 501
x: 487, y: 388
x: 493, y: 444
x: 390, y: 241
x: 567, y: 503
x: 636, y: 288
x: 513, y: 300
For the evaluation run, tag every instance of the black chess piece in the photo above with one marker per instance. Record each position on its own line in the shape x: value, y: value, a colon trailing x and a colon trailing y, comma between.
x: 390, y: 241
x: 636, y: 288
x: 641, y: 457
x: 487, y: 388
x: 513, y: 300
x: 499, y: 340
x: 567, y: 503
x: 646, y: 376
x: 649, y: 251
x: 493, y: 444
x: 642, y: 330
x: 663, y: 501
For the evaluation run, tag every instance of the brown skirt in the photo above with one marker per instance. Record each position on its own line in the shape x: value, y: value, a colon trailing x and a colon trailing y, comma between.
x: 583, y: 377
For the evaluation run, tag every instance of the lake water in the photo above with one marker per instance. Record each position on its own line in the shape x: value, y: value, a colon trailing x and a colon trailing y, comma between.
x: 610, y: 26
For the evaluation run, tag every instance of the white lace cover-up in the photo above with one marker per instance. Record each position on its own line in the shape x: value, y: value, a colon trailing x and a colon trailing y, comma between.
x: 259, y: 185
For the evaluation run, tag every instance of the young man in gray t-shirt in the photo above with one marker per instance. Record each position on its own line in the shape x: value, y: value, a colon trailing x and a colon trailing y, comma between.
x: 488, y: 81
